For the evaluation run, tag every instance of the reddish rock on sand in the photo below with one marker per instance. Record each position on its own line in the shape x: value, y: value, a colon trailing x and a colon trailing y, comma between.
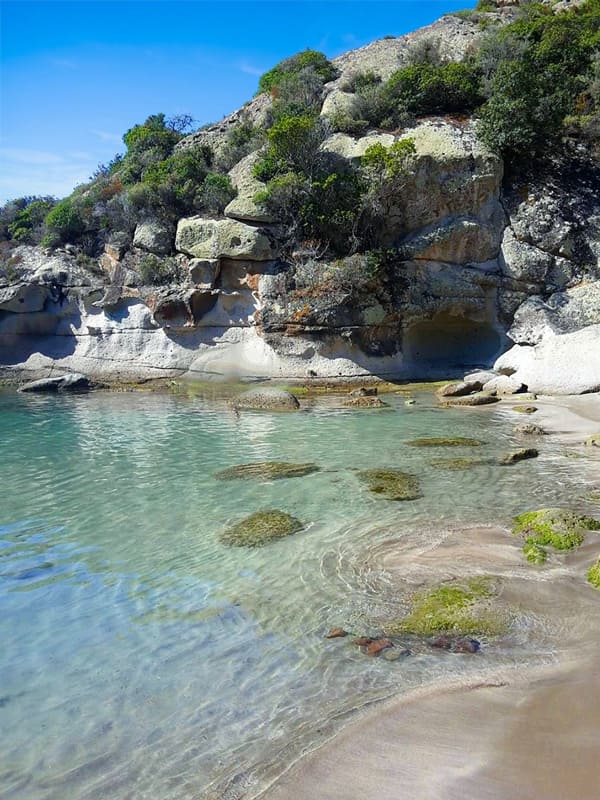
x: 336, y: 633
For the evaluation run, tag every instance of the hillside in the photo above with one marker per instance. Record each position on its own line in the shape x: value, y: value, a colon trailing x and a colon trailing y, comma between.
x: 416, y: 207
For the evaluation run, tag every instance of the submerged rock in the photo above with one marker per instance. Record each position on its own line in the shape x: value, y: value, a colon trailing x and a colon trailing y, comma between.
x: 336, y: 633
x: 266, y: 470
x: 377, y: 646
x: 445, y: 441
x: 457, y: 463
x: 261, y: 528
x: 365, y: 402
x: 524, y: 409
x: 364, y: 391
x: 593, y: 440
x: 552, y: 527
x: 73, y: 382
x: 396, y: 654
x: 458, y: 608
x: 456, y: 645
x: 393, y: 484
x: 266, y: 399
x: 519, y: 455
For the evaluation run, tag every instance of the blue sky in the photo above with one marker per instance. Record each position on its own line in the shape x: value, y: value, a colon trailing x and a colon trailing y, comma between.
x: 76, y: 75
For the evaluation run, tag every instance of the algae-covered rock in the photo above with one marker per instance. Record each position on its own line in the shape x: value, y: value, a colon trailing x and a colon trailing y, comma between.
x: 457, y: 463
x: 266, y: 470
x: 393, y: 484
x: 524, y: 409
x: 593, y: 575
x: 477, y: 399
x: 521, y: 454
x: 463, y: 608
x: 593, y: 441
x: 266, y: 399
x: 552, y: 527
x: 261, y: 528
x: 458, y: 389
x: 445, y: 441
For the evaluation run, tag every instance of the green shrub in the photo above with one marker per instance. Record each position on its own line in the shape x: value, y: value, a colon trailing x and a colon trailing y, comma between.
x: 307, y: 58
x: 27, y: 226
x: 426, y: 88
x: 65, y: 221
x: 293, y: 145
x: 216, y: 192
x: 155, y: 271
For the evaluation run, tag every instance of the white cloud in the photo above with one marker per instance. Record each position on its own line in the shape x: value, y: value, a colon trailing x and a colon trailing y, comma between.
x: 249, y: 69
x: 65, y: 63
x: 106, y: 136
x: 37, y: 172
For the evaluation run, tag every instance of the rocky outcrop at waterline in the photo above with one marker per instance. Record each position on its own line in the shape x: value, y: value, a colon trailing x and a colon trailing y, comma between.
x: 474, y: 267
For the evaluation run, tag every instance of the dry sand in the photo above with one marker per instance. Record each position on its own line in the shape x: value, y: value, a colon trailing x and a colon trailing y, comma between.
x: 514, y: 736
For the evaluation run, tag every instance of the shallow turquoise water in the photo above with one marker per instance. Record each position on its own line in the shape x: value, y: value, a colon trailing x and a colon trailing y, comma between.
x: 139, y: 657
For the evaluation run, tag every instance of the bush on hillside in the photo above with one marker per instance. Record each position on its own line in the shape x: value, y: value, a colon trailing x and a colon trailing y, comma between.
x: 319, y: 62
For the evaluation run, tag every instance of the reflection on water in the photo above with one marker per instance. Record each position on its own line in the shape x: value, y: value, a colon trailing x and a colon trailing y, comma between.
x: 139, y: 656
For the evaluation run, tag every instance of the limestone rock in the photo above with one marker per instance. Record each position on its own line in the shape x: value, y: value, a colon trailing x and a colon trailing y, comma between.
x: 204, y: 272
x: 564, y: 364
x: 154, y: 236
x: 365, y: 402
x: 267, y: 399
x: 457, y: 241
x: 504, y: 384
x: 529, y: 429
x: 23, y: 298
x: 477, y: 399
x: 243, y: 206
x: 562, y: 312
x: 72, y: 382
x: 211, y: 239
x: 458, y: 389
x: 480, y: 377
x: 523, y: 261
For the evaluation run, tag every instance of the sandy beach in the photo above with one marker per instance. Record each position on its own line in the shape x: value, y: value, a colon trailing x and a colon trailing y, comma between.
x: 531, y: 736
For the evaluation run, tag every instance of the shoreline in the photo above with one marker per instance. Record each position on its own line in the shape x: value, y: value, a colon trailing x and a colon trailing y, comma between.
x: 535, y: 736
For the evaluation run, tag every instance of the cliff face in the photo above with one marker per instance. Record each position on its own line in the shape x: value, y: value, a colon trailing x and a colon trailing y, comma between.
x: 470, y: 265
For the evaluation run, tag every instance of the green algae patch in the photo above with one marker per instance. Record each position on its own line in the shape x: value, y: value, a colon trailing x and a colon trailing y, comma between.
x: 445, y: 441
x: 524, y: 409
x: 464, y: 608
x: 393, y: 484
x: 552, y: 527
x: 261, y: 528
x: 593, y: 575
x: 457, y: 463
x: 266, y: 470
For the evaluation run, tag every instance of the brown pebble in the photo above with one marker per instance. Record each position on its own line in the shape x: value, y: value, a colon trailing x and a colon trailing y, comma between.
x: 336, y: 633
x: 362, y: 641
x: 442, y: 642
x: 377, y: 646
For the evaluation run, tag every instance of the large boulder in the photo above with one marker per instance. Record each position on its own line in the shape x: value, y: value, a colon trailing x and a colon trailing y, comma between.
x: 154, y: 236
x: 243, y: 206
x: 562, y: 312
x: 563, y: 364
x: 225, y: 238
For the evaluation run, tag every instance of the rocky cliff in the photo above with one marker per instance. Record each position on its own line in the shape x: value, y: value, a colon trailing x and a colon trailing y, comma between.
x: 474, y: 267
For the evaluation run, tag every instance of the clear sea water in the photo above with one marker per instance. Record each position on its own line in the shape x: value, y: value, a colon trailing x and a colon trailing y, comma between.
x: 141, y: 658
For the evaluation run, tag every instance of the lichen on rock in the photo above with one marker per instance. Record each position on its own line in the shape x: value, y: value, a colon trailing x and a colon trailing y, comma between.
x: 260, y: 528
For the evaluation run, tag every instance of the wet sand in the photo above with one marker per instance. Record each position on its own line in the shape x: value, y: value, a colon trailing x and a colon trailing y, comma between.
x: 514, y: 735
